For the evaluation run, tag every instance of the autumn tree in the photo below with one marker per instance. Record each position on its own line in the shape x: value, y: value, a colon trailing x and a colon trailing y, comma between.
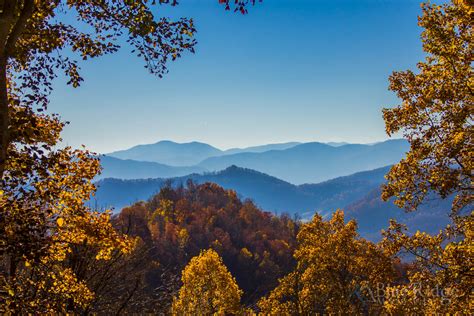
x: 337, y: 272
x: 436, y: 117
x: 42, y: 188
x: 43, y: 218
x: 208, y: 288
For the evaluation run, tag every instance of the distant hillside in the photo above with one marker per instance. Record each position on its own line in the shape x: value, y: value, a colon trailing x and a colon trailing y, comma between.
x: 314, y: 162
x: 270, y: 193
x: 345, y: 189
x: 372, y: 214
x: 262, y: 148
x: 169, y: 153
x: 131, y: 169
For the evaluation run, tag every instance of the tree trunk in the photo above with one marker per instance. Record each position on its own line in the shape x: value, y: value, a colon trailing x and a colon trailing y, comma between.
x: 4, y: 115
x: 7, y: 17
x: 13, y: 19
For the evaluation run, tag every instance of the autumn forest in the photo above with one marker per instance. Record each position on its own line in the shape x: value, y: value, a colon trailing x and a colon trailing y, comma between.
x: 203, y: 249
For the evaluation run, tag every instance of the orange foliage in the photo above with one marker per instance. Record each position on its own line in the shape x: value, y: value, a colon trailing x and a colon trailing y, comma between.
x: 179, y: 223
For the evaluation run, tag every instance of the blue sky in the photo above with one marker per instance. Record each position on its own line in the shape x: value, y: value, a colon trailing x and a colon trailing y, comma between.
x: 290, y: 70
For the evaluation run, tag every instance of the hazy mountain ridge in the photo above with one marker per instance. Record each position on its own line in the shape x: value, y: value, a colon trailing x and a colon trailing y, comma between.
x: 261, y: 148
x: 314, y: 162
x: 187, y: 154
x: 169, y: 153
x: 358, y: 195
x: 293, y: 162
x: 337, y: 144
x: 131, y: 169
x: 268, y: 192
x: 346, y: 188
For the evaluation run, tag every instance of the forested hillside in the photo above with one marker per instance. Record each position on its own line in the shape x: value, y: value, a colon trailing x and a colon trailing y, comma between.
x: 358, y: 194
x: 176, y: 224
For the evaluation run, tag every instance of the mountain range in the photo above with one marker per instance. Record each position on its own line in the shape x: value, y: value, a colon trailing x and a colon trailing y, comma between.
x: 268, y: 192
x: 132, y: 169
x: 261, y: 148
x: 169, y: 153
x: 294, y: 178
x: 292, y: 162
x: 314, y: 162
x: 358, y: 194
x: 373, y: 214
x: 186, y: 154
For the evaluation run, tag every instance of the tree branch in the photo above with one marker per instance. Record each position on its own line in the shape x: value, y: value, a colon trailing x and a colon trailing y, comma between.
x: 19, y: 26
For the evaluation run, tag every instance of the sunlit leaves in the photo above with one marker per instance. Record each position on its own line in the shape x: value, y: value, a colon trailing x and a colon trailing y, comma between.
x: 436, y: 112
x: 336, y: 273
x: 208, y: 288
x: 442, y: 275
x: 43, y: 218
x: 436, y: 117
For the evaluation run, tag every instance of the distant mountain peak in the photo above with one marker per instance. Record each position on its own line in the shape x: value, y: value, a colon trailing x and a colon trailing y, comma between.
x: 169, y: 152
x: 167, y: 141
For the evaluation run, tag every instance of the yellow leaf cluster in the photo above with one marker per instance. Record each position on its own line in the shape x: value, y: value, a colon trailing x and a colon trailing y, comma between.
x: 337, y: 272
x: 208, y: 288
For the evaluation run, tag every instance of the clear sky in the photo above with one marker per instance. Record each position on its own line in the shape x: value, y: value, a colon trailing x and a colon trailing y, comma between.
x: 290, y: 70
